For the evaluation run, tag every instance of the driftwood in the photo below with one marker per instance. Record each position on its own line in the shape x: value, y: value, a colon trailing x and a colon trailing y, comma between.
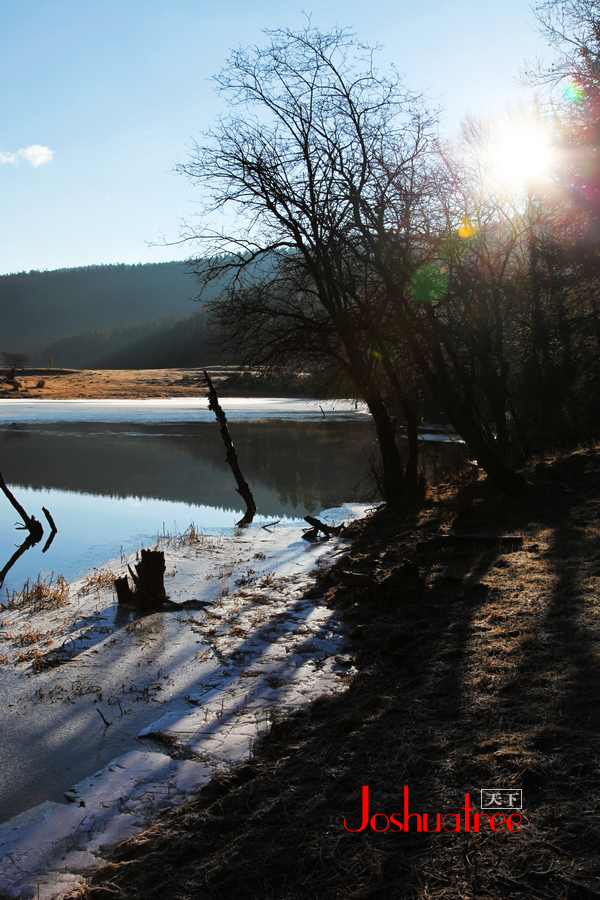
x: 243, y: 488
x: 148, y: 591
x: 53, y: 528
x: 50, y: 520
x: 317, y: 526
x: 31, y: 524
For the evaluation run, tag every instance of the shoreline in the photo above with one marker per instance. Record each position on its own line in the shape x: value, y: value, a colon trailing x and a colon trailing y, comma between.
x: 128, y: 384
x: 260, y: 650
x: 478, y: 667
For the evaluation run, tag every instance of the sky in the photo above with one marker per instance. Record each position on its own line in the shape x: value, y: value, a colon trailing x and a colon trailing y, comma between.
x: 101, y: 99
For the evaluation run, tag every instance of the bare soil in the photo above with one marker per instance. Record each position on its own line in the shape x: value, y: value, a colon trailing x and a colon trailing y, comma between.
x: 478, y: 666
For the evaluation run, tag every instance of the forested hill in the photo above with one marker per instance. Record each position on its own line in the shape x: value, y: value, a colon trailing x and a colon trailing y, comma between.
x: 101, y: 315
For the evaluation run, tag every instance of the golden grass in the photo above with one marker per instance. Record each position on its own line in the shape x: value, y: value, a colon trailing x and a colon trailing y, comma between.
x: 97, y: 581
x: 43, y: 594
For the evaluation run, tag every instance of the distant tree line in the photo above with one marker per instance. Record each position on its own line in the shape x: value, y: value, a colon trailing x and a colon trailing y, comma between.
x: 39, y: 308
x: 175, y: 342
x: 370, y: 251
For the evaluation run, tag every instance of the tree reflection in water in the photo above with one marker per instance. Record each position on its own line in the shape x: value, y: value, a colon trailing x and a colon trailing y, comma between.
x: 293, y: 467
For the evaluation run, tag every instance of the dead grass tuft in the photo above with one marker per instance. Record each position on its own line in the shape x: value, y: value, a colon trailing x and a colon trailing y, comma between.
x: 97, y: 581
x: 43, y: 594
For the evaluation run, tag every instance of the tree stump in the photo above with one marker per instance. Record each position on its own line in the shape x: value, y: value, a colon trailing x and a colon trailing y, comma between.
x: 148, y: 592
x: 124, y: 592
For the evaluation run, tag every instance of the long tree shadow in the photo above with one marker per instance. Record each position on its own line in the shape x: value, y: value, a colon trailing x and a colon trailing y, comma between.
x: 465, y: 670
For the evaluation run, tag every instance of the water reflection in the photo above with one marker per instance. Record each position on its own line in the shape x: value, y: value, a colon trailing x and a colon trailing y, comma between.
x: 289, y: 464
x: 113, y: 484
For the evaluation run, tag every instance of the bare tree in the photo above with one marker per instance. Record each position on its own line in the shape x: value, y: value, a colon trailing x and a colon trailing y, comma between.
x: 14, y: 361
x: 342, y: 250
x: 572, y: 29
x: 324, y: 151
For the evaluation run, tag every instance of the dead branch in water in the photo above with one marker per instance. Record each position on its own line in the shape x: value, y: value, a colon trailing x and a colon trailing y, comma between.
x: 243, y: 488
x: 53, y: 528
x: 30, y: 522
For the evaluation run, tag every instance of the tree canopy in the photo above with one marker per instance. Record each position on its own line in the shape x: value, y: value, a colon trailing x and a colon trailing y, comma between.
x: 353, y: 240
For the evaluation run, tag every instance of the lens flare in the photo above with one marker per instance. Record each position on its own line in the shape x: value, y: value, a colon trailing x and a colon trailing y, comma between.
x: 429, y: 283
x: 573, y: 91
x: 467, y: 229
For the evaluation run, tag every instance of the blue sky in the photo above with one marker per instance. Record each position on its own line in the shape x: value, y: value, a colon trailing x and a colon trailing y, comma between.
x: 101, y: 98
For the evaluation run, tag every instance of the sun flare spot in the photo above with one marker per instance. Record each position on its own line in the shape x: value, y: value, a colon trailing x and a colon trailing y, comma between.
x: 467, y: 229
x: 520, y: 156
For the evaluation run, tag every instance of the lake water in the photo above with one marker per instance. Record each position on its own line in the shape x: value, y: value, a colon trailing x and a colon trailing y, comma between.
x: 116, y: 473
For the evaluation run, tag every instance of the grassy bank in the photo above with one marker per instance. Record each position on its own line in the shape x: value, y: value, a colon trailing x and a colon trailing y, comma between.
x: 140, y: 384
x: 478, y: 667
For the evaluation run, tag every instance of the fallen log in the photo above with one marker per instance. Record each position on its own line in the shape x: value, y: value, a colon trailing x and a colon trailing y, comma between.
x: 327, y: 530
x: 243, y: 488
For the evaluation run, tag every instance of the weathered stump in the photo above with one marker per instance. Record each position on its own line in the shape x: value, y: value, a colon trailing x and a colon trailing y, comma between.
x: 148, y: 582
x: 124, y: 592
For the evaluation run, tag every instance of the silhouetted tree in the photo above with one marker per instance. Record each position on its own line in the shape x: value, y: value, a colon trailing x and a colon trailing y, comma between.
x: 14, y: 361
x: 325, y: 151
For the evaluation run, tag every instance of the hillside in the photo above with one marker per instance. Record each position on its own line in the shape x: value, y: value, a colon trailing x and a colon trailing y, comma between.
x: 91, y: 316
x: 174, y: 342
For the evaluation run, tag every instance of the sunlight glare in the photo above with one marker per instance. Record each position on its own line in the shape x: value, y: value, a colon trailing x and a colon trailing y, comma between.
x: 520, y: 156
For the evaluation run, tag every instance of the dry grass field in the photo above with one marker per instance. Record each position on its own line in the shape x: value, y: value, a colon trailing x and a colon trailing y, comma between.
x: 125, y: 384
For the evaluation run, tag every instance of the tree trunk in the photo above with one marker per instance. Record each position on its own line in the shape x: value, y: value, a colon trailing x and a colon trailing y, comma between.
x: 243, y: 488
x: 392, y: 483
x: 411, y: 472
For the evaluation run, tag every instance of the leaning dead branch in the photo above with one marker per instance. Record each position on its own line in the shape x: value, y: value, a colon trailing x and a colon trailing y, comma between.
x: 31, y: 524
x: 243, y: 488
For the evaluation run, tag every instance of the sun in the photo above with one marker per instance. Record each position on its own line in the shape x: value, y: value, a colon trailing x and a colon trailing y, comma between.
x: 520, y: 156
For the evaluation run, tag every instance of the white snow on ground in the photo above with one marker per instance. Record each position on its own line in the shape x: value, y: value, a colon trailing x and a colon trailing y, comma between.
x: 219, y: 675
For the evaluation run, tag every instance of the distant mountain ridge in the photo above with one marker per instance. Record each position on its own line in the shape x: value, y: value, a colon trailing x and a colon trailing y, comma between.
x: 108, y: 316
